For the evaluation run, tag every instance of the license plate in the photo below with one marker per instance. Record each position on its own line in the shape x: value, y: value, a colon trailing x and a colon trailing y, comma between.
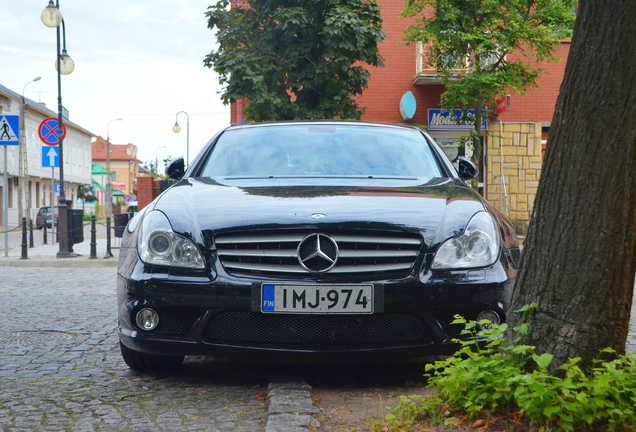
x: 317, y: 299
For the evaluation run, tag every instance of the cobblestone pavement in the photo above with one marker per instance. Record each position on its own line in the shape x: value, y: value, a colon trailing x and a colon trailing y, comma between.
x: 61, y: 369
x: 60, y: 366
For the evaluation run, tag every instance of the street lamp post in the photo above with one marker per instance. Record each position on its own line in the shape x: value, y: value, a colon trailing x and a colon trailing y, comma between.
x: 157, y: 158
x: 52, y: 17
x: 24, y: 199
x: 109, y: 185
x: 176, y: 128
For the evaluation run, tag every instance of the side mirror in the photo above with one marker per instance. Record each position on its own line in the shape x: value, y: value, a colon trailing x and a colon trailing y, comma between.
x: 176, y: 169
x: 467, y: 170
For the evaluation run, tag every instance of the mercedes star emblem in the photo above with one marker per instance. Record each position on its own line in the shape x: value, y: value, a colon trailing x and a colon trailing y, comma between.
x: 317, y: 253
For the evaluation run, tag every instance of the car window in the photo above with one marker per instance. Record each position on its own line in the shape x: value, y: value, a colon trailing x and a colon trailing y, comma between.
x: 311, y: 150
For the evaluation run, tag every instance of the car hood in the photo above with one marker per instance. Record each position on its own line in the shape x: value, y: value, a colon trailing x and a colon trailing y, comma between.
x: 437, y: 209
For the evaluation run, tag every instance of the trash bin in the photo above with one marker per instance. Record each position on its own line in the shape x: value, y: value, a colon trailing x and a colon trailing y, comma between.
x: 120, y: 220
x: 77, y: 225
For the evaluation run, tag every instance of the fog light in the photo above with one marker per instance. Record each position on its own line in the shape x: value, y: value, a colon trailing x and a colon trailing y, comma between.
x: 491, y: 316
x: 147, y: 319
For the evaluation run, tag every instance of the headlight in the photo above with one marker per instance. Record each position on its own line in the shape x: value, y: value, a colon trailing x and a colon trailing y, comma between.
x: 159, y: 245
x: 478, y: 246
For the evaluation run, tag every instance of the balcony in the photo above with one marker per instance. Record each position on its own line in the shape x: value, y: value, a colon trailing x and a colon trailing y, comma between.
x: 425, y: 74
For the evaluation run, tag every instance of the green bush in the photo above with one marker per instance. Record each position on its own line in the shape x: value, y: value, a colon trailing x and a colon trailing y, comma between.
x: 499, y: 376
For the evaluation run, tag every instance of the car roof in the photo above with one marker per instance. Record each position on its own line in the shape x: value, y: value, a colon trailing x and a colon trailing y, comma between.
x: 323, y: 122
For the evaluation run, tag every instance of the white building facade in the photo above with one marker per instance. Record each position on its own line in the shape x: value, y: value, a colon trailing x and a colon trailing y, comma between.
x: 34, y: 187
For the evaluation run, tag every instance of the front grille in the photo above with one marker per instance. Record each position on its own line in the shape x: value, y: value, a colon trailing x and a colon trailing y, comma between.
x: 255, y: 327
x: 276, y: 254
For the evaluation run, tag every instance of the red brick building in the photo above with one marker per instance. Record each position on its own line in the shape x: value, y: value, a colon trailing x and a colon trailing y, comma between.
x: 401, y: 73
x: 512, y: 163
x: 515, y: 139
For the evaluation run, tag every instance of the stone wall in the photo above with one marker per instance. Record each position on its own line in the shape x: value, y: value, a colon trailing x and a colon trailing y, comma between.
x: 515, y: 147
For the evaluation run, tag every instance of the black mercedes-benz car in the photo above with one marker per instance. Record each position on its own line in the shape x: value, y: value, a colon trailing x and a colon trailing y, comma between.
x: 312, y: 241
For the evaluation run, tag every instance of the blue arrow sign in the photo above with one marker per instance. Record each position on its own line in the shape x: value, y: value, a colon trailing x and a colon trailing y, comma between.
x: 50, y: 157
x: 10, y: 130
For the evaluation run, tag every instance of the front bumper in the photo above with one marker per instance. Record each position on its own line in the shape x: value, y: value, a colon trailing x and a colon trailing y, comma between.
x: 220, y: 316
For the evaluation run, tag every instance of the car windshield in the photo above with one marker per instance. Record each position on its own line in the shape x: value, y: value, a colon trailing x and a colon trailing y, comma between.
x: 321, y: 150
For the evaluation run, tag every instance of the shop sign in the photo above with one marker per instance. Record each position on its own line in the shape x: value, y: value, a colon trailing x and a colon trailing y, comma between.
x: 501, y: 105
x: 118, y: 184
x: 447, y: 120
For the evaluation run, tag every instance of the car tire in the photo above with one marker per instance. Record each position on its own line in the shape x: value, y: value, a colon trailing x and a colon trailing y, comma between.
x: 150, y: 362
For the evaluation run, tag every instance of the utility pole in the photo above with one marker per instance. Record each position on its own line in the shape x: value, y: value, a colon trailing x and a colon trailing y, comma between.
x: 22, y: 165
x: 24, y: 193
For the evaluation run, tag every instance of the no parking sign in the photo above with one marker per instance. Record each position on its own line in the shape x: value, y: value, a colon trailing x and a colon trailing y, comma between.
x: 48, y: 131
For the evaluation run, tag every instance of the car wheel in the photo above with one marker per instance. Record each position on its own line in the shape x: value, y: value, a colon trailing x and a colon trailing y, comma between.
x: 149, y: 362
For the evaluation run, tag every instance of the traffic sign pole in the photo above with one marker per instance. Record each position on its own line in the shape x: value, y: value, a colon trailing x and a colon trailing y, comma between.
x: 52, y: 132
x: 9, y: 135
x: 5, y: 206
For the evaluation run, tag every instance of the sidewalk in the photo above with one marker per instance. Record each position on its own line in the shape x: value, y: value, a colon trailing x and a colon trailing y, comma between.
x: 45, y: 255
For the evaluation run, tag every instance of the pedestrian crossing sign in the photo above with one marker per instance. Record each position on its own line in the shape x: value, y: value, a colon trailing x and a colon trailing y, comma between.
x: 9, y: 130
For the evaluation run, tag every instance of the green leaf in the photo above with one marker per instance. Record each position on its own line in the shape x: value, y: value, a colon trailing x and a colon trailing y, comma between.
x: 550, y: 410
x: 522, y: 329
x: 528, y: 308
x: 544, y: 360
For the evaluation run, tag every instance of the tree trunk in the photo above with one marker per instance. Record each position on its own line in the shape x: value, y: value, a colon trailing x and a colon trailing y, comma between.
x: 579, y: 256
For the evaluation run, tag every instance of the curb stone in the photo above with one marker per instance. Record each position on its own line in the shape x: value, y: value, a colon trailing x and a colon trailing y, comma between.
x: 39, y: 262
x: 290, y: 407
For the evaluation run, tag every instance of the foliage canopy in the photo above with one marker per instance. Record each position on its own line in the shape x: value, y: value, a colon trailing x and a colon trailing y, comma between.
x: 85, y: 193
x: 295, y: 59
x: 496, y: 42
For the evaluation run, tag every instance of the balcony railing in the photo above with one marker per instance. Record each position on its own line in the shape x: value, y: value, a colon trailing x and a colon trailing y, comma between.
x: 425, y: 74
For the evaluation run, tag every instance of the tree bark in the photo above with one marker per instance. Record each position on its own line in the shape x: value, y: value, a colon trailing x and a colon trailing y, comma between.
x: 579, y: 257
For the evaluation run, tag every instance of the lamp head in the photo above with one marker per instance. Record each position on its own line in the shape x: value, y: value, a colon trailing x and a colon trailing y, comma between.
x: 51, y: 15
x: 176, y: 128
x: 67, y: 65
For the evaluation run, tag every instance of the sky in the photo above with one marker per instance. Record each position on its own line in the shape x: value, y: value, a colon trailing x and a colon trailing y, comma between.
x: 138, y: 60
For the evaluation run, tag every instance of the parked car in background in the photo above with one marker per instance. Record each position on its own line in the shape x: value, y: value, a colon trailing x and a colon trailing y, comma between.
x: 312, y: 241
x: 46, y: 214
